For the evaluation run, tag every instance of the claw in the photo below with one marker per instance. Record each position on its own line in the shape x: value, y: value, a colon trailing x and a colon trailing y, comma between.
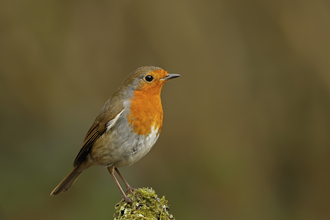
x: 128, y: 200
x: 130, y: 190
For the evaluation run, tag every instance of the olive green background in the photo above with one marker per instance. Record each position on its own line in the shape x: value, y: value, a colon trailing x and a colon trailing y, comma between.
x: 246, y: 128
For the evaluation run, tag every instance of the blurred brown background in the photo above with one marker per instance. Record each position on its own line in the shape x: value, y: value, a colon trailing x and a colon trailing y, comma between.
x: 246, y: 130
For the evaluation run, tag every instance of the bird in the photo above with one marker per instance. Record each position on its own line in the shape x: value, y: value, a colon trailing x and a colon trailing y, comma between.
x: 125, y: 129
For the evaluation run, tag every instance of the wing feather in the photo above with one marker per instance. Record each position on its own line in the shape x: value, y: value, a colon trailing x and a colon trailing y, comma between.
x: 96, y: 130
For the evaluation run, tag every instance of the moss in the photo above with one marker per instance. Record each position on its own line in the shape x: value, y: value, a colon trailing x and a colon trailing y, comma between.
x: 146, y: 205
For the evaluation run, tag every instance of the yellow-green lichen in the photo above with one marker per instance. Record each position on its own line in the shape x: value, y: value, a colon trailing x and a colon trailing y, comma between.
x: 146, y: 205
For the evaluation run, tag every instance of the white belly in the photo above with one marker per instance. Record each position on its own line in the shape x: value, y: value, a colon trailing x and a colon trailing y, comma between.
x: 141, y: 146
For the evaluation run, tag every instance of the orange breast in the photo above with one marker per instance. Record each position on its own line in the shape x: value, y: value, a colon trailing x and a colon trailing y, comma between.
x: 146, y: 111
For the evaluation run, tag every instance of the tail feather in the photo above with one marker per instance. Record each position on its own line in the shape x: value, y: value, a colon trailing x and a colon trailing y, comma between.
x: 67, y: 182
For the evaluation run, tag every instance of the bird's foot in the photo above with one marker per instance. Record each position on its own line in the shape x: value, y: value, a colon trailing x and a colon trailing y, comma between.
x: 130, y: 190
x: 128, y: 199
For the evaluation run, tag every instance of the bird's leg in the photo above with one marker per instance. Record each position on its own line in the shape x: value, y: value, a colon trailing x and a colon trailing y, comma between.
x: 111, y: 171
x: 129, y: 188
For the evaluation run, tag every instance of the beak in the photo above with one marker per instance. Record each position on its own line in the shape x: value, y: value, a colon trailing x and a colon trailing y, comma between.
x: 170, y: 76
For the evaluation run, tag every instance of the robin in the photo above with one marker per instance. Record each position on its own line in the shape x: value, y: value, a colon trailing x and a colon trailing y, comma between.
x: 126, y: 128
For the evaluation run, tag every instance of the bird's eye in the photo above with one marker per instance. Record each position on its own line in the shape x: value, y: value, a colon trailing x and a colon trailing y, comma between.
x: 148, y: 78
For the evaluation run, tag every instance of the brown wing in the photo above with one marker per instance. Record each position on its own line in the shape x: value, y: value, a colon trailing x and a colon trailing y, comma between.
x: 110, y: 110
x: 92, y: 135
x: 107, y: 114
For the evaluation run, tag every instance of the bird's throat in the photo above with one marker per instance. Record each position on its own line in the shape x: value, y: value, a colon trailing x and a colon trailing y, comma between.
x: 146, y: 112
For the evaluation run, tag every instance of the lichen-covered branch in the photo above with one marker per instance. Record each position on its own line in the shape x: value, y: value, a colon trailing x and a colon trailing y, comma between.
x: 146, y: 205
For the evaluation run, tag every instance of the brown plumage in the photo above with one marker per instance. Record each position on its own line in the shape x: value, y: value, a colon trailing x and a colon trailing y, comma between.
x: 126, y: 128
